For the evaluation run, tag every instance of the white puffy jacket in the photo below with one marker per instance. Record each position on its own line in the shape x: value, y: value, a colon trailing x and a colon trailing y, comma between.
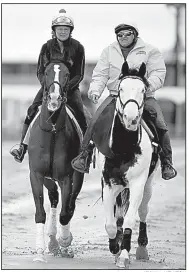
x: 108, y: 67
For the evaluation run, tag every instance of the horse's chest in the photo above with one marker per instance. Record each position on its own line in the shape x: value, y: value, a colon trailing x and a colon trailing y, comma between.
x: 47, y: 151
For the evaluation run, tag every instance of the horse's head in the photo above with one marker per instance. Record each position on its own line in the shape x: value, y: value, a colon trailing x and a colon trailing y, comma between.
x: 131, y: 96
x: 56, y: 85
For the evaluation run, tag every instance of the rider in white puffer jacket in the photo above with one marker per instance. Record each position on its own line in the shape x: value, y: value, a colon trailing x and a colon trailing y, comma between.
x: 107, y: 70
x: 128, y: 47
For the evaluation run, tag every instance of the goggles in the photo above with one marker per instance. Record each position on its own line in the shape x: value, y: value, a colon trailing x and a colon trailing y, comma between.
x: 124, y: 34
x: 63, y: 20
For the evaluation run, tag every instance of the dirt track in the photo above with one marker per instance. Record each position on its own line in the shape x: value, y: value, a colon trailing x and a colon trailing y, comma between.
x: 166, y: 222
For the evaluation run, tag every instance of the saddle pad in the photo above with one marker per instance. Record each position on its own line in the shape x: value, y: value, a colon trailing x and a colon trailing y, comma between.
x: 102, y: 129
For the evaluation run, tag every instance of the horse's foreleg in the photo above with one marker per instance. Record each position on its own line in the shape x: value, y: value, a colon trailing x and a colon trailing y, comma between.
x: 40, y: 215
x: 53, y: 197
x: 109, y: 201
x: 121, y: 208
x: 65, y: 238
x: 53, y: 245
x: 136, y: 193
x: 141, y: 252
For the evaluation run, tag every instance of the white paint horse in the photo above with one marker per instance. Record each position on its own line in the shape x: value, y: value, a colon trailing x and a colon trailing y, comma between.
x: 126, y: 180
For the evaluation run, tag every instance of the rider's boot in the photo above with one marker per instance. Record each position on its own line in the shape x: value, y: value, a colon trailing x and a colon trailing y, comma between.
x: 19, y: 153
x: 82, y: 162
x: 167, y: 169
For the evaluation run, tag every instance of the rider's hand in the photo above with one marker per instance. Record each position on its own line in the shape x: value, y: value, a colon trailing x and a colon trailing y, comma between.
x: 94, y: 98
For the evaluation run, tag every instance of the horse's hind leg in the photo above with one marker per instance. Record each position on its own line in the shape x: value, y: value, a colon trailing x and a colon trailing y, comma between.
x: 40, y: 215
x: 53, y: 245
x: 141, y: 252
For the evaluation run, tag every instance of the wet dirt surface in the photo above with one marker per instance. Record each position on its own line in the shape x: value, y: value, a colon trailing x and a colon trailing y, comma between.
x: 166, y: 221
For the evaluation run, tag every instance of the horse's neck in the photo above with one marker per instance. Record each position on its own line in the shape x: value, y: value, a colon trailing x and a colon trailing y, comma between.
x: 48, y: 120
x: 124, y: 141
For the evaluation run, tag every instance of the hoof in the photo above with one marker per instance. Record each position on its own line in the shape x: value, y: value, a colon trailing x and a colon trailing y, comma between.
x: 53, y: 245
x: 65, y: 242
x: 67, y: 253
x: 40, y: 258
x: 142, y: 253
x: 122, y: 262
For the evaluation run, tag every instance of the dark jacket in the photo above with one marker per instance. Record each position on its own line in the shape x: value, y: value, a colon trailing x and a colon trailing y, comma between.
x: 73, y: 56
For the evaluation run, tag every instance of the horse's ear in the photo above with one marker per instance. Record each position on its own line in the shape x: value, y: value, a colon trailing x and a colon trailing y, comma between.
x: 142, y: 70
x: 125, y: 69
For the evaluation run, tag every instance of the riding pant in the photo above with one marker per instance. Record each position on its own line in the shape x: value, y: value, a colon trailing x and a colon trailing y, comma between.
x: 153, y: 111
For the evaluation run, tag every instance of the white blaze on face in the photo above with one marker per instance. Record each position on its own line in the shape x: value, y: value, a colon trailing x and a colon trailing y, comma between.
x: 130, y: 88
x: 56, y: 78
x: 54, y: 95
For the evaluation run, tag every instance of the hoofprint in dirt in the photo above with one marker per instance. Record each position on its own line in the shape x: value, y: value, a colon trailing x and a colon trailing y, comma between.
x: 166, y: 222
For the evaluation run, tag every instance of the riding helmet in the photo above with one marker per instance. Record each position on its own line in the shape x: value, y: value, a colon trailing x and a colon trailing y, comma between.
x: 62, y: 19
x: 126, y: 27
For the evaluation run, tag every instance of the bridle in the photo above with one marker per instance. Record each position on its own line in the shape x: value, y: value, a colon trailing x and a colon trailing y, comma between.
x: 123, y: 105
x: 63, y: 95
x: 62, y: 98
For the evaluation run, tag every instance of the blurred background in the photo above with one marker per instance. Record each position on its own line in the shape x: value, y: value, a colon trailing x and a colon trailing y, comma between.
x: 26, y: 27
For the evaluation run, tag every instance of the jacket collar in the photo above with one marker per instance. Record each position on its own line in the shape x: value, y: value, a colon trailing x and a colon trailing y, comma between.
x: 140, y: 43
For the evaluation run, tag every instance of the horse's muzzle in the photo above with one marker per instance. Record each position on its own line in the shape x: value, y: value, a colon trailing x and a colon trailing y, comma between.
x: 53, y: 106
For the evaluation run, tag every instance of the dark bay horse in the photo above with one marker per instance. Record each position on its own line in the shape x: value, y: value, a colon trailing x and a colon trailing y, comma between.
x: 126, y: 179
x: 53, y: 143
